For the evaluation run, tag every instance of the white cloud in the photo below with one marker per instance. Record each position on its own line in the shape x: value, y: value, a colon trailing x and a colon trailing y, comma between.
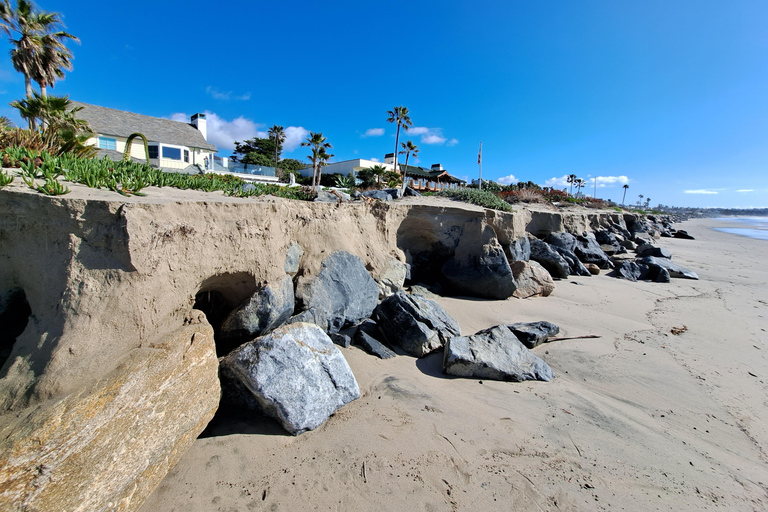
x: 508, y: 180
x: 294, y: 136
x: 223, y: 133
x: 431, y: 135
x: 602, y: 181
x: 453, y: 142
x: 746, y: 190
x: 374, y: 159
x: 558, y: 182
x: 432, y: 138
x: 226, y: 95
x: 419, y: 130
x: 700, y: 191
x: 374, y: 132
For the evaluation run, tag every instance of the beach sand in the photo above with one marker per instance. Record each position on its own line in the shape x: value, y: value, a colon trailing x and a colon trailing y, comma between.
x: 638, y: 419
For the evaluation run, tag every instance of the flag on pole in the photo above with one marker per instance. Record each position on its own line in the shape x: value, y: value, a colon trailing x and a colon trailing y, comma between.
x: 480, y: 154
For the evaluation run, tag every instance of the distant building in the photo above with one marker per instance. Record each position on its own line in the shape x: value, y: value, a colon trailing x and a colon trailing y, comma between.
x: 172, y: 145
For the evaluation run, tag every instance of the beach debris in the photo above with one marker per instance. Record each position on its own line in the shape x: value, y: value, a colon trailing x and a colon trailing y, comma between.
x: 542, y: 253
x: 495, y: 354
x: 678, y: 330
x: 532, y: 334
x: 295, y: 374
x: 532, y: 280
x: 343, y: 292
x: 392, y: 277
x: 414, y: 323
x: 483, y: 272
x: 265, y: 310
x: 367, y: 337
x: 293, y: 258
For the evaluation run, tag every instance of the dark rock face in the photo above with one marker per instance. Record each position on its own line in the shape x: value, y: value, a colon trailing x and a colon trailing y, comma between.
x: 550, y: 259
x: 631, y: 271
x: 520, y: 250
x: 487, y: 275
x: 381, y: 195
x: 339, y: 339
x: 674, y: 269
x: 411, y: 192
x: 295, y: 374
x: 414, y: 323
x: 267, y: 309
x: 576, y: 267
x: 367, y: 337
x: 662, y: 276
x: 680, y: 233
x: 588, y: 251
x: 531, y: 334
x: 343, y: 291
x: 493, y: 354
x: 394, y: 193
x: 563, y: 240
x: 652, y: 250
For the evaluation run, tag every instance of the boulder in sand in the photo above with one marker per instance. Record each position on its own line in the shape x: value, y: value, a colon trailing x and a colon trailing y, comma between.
x: 367, y: 337
x: 575, y: 266
x: 493, y: 354
x: 267, y: 309
x: 520, y: 249
x: 653, y: 250
x: 674, y: 269
x: 549, y: 258
x: 414, y: 323
x: 485, y: 274
x: 533, y: 333
x: 532, y: 280
x: 343, y: 292
x: 296, y: 374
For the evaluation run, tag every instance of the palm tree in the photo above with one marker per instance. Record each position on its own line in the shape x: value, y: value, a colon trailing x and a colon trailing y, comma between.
x: 55, y: 111
x: 277, y: 133
x: 579, y: 185
x: 5, y: 123
x: 625, y: 187
x: 400, y: 116
x: 319, y: 155
x: 572, y: 180
x: 409, y: 148
x: 39, y: 52
x: 378, y: 170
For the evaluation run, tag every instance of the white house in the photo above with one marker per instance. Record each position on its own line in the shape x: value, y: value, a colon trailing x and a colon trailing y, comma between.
x: 171, y: 144
x: 353, y: 166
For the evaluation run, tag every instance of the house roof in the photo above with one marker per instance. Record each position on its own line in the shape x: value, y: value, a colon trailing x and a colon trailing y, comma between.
x: 109, y: 121
x: 430, y: 174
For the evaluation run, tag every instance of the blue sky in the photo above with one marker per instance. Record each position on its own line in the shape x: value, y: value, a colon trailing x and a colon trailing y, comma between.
x: 667, y: 96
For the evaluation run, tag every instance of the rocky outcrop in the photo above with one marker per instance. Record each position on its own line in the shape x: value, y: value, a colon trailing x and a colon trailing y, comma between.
x: 532, y: 280
x: 414, y: 323
x: 268, y: 308
x: 493, y: 354
x: 343, y: 292
x: 484, y: 274
x: 296, y: 375
x: 107, y: 446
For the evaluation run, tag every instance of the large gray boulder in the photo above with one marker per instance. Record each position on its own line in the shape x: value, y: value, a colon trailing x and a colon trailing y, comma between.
x: 531, y: 334
x: 392, y: 277
x: 520, y: 249
x: 589, y: 251
x: 381, y: 195
x: 549, y: 258
x: 653, y: 250
x: 493, y: 354
x: 674, y: 269
x: 267, y: 309
x: 563, y: 240
x: 631, y: 271
x: 576, y: 267
x: 343, y: 291
x: 367, y: 336
x: 414, y: 323
x: 395, y: 193
x: 295, y: 374
x: 485, y: 274
x: 532, y: 280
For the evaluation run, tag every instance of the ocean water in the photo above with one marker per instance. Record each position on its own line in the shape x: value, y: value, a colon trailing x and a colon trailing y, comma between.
x: 754, y: 227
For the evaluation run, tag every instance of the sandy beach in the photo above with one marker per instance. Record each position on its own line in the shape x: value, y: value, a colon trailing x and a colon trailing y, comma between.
x: 637, y: 419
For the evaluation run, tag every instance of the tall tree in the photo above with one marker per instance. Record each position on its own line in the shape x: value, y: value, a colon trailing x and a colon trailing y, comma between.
x: 401, y: 117
x: 255, y: 151
x: 277, y: 133
x: 625, y: 187
x: 572, y: 179
x: 579, y: 185
x: 409, y: 148
x: 38, y: 52
x: 319, y: 146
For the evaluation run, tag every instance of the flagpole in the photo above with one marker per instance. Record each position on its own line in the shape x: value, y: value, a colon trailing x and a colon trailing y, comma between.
x: 480, y: 165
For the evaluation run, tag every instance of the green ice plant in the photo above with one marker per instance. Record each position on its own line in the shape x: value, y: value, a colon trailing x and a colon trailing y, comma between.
x: 52, y: 187
x: 5, y: 179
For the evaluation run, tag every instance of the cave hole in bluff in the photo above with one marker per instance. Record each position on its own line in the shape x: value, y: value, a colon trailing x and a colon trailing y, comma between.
x: 218, y: 297
x: 426, y: 249
x: 14, y: 316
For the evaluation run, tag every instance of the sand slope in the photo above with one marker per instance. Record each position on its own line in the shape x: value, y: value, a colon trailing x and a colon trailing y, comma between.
x: 639, y: 419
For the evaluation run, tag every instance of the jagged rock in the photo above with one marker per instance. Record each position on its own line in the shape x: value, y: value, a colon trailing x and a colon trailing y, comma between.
x: 575, y: 267
x: 629, y: 244
x: 267, y: 309
x: 563, y: 240
x: 532, y: 280
x: 343, y: 291
x: 367, y: 337
x: 588, y: 251
x: 681, y: 233
x: 631, y: 271
x: 493, y: 354
x: 414, y: 323
x: 377, y: 194
x: 292, y: 258
x: 550, y: 259
x: 487, y: 274
x: 593, y: 269
x: 531, y: 334
x: 662, y: 276
x: 339, y: 339
x: 296, y: 374
x: 520, y: 250
x: 674, y: 269
x: 411, y: 192
x: 652, y: 250
x: 392, y: 278
x: 310, y: 316
x: 606, y: 238
x: 324, y: 196
x: 395, y: 193
x: 418, y: 289
x: 107, y: 446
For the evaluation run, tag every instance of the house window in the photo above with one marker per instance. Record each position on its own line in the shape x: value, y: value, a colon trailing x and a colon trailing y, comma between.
x: 171, y: 153
x: 186, y: 156
x: 107, y: 143
x: 153, y: 151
